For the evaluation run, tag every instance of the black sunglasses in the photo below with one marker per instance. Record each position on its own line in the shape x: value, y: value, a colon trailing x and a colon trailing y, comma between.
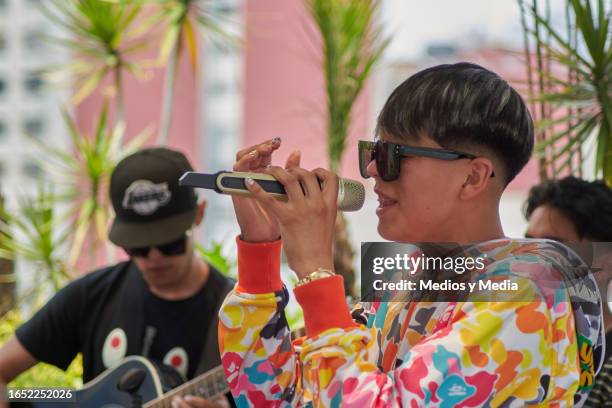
x: 176, y: 247
x: 388, y: 157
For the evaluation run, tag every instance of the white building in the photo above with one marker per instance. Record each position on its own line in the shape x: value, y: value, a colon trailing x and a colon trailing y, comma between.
x: 27, y: 105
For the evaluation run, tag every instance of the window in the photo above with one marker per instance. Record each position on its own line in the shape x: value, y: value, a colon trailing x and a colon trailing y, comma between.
x: 218, y: 87
x: 2, y: 41
x: 3, y: 86
x: 33, y: 127
x: 33, y: 40
x: 33, y: 83
x: 32, y: 170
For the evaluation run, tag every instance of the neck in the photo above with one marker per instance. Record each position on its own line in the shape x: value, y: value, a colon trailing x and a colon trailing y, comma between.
x: 473, y: 225
x: 607, y: 320
x: 189, y: 284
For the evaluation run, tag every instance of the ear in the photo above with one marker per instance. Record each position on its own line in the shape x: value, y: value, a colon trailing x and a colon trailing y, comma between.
x: 478, y: 178
x: 200, y: 212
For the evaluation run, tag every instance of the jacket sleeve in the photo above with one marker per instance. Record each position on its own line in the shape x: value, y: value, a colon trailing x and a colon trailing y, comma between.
x: 258, y: 357
x: 489, y: 353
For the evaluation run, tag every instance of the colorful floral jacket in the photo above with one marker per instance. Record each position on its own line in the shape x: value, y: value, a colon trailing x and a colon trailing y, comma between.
x: 541, y: 350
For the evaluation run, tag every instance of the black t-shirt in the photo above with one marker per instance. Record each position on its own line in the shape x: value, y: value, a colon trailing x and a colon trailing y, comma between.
x: 110, y: 314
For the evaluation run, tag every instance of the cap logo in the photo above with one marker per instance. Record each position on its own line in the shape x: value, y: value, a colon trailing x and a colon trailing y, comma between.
x: 144, y: 197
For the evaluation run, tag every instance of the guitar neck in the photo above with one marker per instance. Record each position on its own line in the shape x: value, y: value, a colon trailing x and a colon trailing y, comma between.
x: 208, y: 385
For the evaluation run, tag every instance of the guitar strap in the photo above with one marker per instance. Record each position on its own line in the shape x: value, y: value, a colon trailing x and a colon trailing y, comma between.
x: 209, y: 357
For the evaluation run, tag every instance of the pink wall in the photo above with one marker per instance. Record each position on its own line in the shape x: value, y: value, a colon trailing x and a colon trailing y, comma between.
x: 284, y: 86
x: 143, y: 101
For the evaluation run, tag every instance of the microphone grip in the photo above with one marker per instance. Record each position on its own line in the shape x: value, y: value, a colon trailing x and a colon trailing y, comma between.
x: 234, y: 183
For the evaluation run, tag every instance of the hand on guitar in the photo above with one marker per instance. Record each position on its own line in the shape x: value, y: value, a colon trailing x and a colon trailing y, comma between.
x: 256, y: 225
x: 196, y: 402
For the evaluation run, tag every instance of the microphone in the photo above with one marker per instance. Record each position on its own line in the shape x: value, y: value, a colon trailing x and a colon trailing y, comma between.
x: 351, y: 193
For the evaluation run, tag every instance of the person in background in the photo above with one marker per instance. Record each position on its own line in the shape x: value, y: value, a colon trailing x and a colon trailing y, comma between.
x: 161, y: 303
x: 576, y: 211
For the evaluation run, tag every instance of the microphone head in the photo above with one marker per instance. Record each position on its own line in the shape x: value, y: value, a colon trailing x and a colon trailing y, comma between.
x: 351, y: 195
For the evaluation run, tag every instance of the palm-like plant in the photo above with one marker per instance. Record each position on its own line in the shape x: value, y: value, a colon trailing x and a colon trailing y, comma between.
x: 352, y: 44
x: 102, y: 37
x: 86, y: 173
x: 33, y: 234
x: 574, y: 88
x: 181, y: 20
x: 7, y: 271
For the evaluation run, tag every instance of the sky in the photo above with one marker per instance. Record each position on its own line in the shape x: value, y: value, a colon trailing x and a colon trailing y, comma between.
x: 417, y: 23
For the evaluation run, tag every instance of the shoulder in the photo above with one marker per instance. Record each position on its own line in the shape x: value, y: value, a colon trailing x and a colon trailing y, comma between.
x: 218, y: 279
x: 218, y: 285
x: 533, y: 258
x: 104, y: 276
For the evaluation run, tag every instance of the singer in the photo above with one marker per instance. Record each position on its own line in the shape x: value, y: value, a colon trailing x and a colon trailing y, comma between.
x: 448, y: 141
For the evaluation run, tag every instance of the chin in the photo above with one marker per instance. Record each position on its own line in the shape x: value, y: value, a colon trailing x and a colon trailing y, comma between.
x: 390, y: 232
x: 158, y: 280
x: 396, y: 233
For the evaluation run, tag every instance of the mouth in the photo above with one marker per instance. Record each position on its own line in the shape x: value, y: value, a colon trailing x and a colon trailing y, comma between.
x: 157, y: 270
x: 384, y: 202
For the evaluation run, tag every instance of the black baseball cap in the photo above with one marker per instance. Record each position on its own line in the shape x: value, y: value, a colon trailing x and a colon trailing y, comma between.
x: 150, y: 206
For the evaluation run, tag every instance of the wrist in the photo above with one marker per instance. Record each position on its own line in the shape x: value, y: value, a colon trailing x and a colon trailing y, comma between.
x: 320, y: 273
x: 258, y: 239
x: 305, y: 269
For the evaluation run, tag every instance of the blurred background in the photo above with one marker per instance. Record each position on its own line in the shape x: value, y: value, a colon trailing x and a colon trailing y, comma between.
x: 84, y: 82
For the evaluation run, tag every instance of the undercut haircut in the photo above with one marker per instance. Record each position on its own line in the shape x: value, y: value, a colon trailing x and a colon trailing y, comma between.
x: 459, y: 106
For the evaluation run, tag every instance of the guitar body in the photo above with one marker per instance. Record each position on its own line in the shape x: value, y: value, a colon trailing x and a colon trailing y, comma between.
x: 102, y: 391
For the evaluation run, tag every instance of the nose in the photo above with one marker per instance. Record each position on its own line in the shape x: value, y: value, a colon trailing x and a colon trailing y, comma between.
x: 371, y: 169
x: 155, y: 254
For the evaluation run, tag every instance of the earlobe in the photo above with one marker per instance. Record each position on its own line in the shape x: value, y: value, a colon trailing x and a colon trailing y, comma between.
x: 200, y: 211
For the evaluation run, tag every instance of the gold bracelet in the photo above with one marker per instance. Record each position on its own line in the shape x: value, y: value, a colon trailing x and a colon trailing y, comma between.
x: 320, y: 273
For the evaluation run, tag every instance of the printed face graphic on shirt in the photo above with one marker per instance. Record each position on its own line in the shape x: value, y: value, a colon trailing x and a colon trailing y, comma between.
x: 144, y: 197
x: 177, y: 359
x: 115, y: 347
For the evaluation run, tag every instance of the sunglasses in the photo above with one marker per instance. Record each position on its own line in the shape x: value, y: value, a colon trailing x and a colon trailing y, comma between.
x: 176, y: 247
x: 388, y: 157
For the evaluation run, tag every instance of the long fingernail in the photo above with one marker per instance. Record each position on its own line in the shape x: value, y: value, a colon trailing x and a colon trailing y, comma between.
x: 276, y: 140
x: 253, y: 153
x: 249, y: 181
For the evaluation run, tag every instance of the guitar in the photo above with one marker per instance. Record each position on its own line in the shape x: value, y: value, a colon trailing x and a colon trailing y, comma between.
x: 161, y: 384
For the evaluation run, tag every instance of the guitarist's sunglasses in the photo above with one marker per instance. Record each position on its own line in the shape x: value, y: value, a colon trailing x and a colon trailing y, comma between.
x: 176, y: 247
x: 388, y: 157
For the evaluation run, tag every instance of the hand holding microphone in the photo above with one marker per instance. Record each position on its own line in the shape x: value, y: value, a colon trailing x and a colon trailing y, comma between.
x: 299, y: 204
x: 256, y: 225
x: 307, y: 218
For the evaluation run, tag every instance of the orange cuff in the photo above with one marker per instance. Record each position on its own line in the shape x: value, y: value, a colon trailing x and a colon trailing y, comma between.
x: 259, y: 266
x: 324, y: 305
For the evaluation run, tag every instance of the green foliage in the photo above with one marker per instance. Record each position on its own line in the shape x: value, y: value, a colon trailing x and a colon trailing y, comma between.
x: 86, y: 172
x: 214, y: 255
x: 580, y: 88
x: 99, y: 36
x: 33, y: 234
x: 180, y: 20
x: 351, y: 47
x: 42, y: 373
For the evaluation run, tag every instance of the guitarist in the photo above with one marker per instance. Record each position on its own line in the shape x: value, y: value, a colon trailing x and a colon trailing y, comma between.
x: 162, y: 303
